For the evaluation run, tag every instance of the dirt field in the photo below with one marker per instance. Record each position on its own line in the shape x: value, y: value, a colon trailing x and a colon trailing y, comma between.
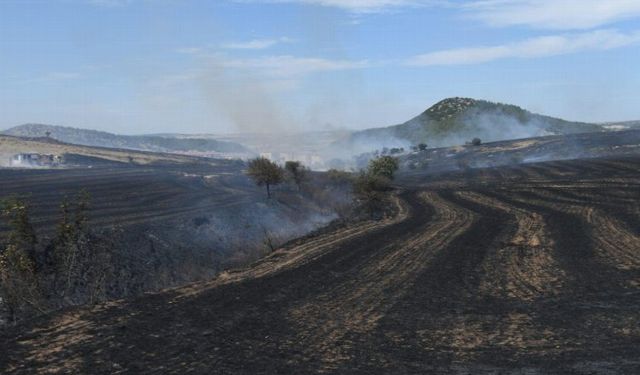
x: 125, y: 195
x: 522, y: 270
x: 166, y: 224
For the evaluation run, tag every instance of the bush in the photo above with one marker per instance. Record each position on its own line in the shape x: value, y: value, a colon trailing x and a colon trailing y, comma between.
x: 74, y: 268
x: 370, y: 190
x: 18, y: 267
x: 384, y: 166
x: 371, y: 187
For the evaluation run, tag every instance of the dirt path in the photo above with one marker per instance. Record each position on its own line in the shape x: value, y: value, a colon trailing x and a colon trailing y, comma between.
x: 483, y: 274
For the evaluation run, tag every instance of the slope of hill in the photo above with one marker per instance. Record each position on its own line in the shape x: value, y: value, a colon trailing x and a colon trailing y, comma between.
x: 11, y: 145
x: 135, y: 142
x: 527, y: 150
x: 453, y: 121
x: 525, y: 270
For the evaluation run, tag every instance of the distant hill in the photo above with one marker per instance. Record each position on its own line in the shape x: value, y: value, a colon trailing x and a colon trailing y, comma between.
x: 134, y: 142
x: 74, y: 154
x: 453, y: 121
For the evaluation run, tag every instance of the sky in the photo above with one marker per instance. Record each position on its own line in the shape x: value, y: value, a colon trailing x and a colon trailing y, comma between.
x: 228, y: 66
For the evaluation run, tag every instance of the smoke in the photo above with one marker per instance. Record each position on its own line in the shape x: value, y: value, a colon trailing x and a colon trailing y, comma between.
x: 248, y: 228
x: 249, y: 101
x: 353, y: 152
x: 490, y: 126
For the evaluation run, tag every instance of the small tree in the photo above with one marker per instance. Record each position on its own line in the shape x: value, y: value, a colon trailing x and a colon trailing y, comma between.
x: 476, y: 142
x: 70, y: 246
x: 384, y: 166
x: 297, y: 172
x: 422, y: 146
x: 370, y: 189
x: 18, y: 281
x: 371, y: 186
x: 265, y: 172
x: 81, y: 259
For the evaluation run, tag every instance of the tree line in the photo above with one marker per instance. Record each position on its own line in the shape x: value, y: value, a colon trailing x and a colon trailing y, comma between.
x: 370, y: 186
x: 267, y: 173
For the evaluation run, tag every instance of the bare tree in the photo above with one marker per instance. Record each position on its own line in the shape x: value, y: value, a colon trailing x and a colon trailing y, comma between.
x: 265, y: 172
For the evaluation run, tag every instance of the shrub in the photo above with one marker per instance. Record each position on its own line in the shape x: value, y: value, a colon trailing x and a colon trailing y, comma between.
x: 18, y: 280
x: 384, y: 166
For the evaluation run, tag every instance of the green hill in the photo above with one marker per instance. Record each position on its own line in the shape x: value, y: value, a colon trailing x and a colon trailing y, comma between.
x: 134, y: 142
x: 454, y: 120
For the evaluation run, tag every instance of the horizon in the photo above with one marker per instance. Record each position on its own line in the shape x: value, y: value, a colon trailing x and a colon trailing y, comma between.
x: 288, y: 132
x: 187, y: 67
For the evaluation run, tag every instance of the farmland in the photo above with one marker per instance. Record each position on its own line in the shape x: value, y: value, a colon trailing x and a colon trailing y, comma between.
x: 166, y: 219
x: 123, y: 196
x: 532, y: 268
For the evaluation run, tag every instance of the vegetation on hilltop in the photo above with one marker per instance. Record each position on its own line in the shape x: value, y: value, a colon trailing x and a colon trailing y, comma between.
x: 454, y: 119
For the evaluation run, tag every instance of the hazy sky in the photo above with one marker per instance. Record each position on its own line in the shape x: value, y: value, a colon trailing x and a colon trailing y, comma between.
x: 142, y: 66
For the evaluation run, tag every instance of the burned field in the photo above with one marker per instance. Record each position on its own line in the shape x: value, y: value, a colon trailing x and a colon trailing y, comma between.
x: 526, y: 150
x: 164, y: 224
x: 531, y: 269
x: 123, y: 195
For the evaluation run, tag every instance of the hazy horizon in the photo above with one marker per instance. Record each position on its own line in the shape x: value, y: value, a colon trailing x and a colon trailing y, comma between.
x: 238, y: 66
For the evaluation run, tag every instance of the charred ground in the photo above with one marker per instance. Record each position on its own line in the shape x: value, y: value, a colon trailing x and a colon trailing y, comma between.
x: 166, y: 219
x: 530, y: 269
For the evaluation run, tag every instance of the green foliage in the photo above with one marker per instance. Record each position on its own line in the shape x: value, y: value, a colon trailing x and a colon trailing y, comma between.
x: 265, y: 172
x: 370, y: 189
x: 451, y: 116
x: 366, y: 183
x: 22, y: 235
x: 371, y: 186
x: 476, y: 142
x: 384, y: 166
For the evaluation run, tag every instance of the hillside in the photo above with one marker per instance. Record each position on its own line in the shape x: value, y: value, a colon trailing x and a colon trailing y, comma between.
x: 528, y: 150
x: 526, y: 270
x: 11, y: 145
x: 453, y: 121
x: 135, y: 142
